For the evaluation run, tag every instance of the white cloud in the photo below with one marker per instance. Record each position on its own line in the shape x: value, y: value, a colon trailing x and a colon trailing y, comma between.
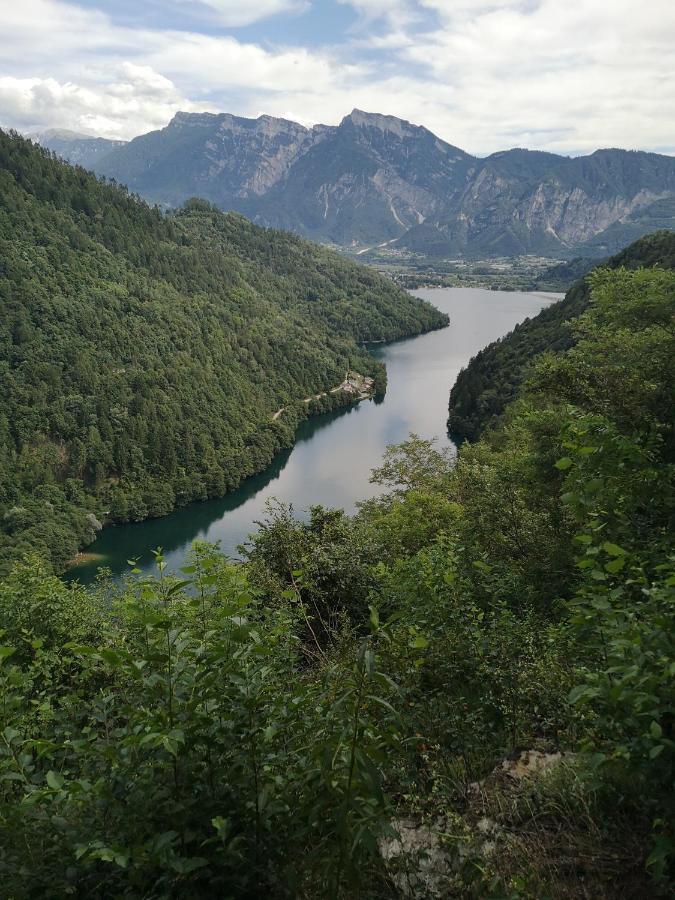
x: 397, y: 13
x: 137, y: 100
x: 482, y: 74
x: 200, y: 60
x: 235, y: 13
x: 595, y: 74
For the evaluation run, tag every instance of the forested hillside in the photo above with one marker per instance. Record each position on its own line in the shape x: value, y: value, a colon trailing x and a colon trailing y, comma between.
x: 466, y: 690
x: 491, y: 380
x: 142, y: 356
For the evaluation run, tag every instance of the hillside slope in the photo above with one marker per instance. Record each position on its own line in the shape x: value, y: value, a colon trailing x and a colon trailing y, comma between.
x: 466, y: 690
x: 142, y: 356
x: 492, y: 378
x: 522, y: 201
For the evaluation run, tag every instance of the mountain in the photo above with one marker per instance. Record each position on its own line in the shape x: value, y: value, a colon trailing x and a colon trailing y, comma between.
x: 522, y: 201
x: 369, y: 179
x: 493, y: 377
x: 143, y: 357
x: 78, y: 149
x: 376, y: 179
x: 222, y: 158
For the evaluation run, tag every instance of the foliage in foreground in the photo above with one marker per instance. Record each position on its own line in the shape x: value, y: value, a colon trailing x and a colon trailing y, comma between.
x: 263, y: 728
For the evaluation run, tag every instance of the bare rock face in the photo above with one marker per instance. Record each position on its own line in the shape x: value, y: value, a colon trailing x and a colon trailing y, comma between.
x: 419, y: 864
x: 94, y: 523
x: 222, y: 158
x: 375, y: 179
x: 528, y: 763
x: 255, y: 152
x: 424, y: 858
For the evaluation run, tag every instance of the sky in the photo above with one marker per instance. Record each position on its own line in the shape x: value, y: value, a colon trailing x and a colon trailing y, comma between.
x: 568, y: 76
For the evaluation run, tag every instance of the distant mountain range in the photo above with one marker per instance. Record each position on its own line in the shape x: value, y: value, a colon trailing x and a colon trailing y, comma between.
x: 376, y: 179
x: 78, y: 149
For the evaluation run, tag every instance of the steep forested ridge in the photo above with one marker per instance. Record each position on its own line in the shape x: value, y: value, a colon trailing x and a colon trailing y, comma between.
x: 492, y: 378
x: 465, y: 690
x: 142, y: 356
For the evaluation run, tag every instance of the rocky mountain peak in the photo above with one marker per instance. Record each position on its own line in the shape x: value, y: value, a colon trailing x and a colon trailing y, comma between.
x: 62, y: 134
x: 192, y: 119
x: 376, y: 178
x: 400, y: 127
x: 223, y: 122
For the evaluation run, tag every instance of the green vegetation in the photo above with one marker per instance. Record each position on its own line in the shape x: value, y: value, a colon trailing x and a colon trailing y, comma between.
x: 492, y: 379
x: 143, y: 356
x: 266, y: 728
x: 509, y: 273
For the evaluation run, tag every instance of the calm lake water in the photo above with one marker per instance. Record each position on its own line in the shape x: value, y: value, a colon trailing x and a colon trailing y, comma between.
x: 334, y: 454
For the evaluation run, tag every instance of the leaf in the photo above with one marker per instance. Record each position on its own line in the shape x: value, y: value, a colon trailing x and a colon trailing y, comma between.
x: 613, y: 549
x: 221, y: 825
x: 563, y: 463
x: 385, y: 704
x: 580, y: 692
x: 655, y: 730
x: 54, y: 780
x: 6, y: 651
x: 600, y: 603
x: 419, y: 643
x: 9, y: 734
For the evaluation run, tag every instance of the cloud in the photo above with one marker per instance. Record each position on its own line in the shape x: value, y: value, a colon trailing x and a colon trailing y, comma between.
x: 201, y: 61
x: 482, y: 74
x: 594, y: 74
x: 396, y: 13
x: 138, y: 99
x: 236, y: 13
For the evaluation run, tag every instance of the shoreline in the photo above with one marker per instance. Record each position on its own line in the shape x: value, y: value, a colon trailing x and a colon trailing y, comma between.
x: 84, y: 557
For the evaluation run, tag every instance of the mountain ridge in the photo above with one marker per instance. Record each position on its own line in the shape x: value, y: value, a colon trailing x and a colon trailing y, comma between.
x: 376, y: 178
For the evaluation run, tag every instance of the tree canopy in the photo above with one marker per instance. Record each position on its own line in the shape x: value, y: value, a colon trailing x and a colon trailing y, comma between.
x: 344, y: 713
x: 492, y: 378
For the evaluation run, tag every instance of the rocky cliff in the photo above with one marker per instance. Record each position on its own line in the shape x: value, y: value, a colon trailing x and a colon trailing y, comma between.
x: 376, y: 179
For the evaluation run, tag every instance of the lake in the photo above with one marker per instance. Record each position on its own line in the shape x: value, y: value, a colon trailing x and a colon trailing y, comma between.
x: 331, y: 461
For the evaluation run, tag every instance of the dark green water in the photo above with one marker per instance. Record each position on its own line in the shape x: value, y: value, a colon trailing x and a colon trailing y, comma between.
x: 334, y: 454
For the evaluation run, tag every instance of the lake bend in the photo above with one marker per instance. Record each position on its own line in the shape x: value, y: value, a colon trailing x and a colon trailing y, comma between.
x: 334, y: 453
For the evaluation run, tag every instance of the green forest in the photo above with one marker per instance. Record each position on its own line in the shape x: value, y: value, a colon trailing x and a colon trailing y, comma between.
x: 345, y: 714
x: 142, y: 356
x: 491, y: 380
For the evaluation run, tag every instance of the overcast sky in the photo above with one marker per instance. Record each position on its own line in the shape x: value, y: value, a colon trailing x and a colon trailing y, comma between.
x: 563, y: 75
